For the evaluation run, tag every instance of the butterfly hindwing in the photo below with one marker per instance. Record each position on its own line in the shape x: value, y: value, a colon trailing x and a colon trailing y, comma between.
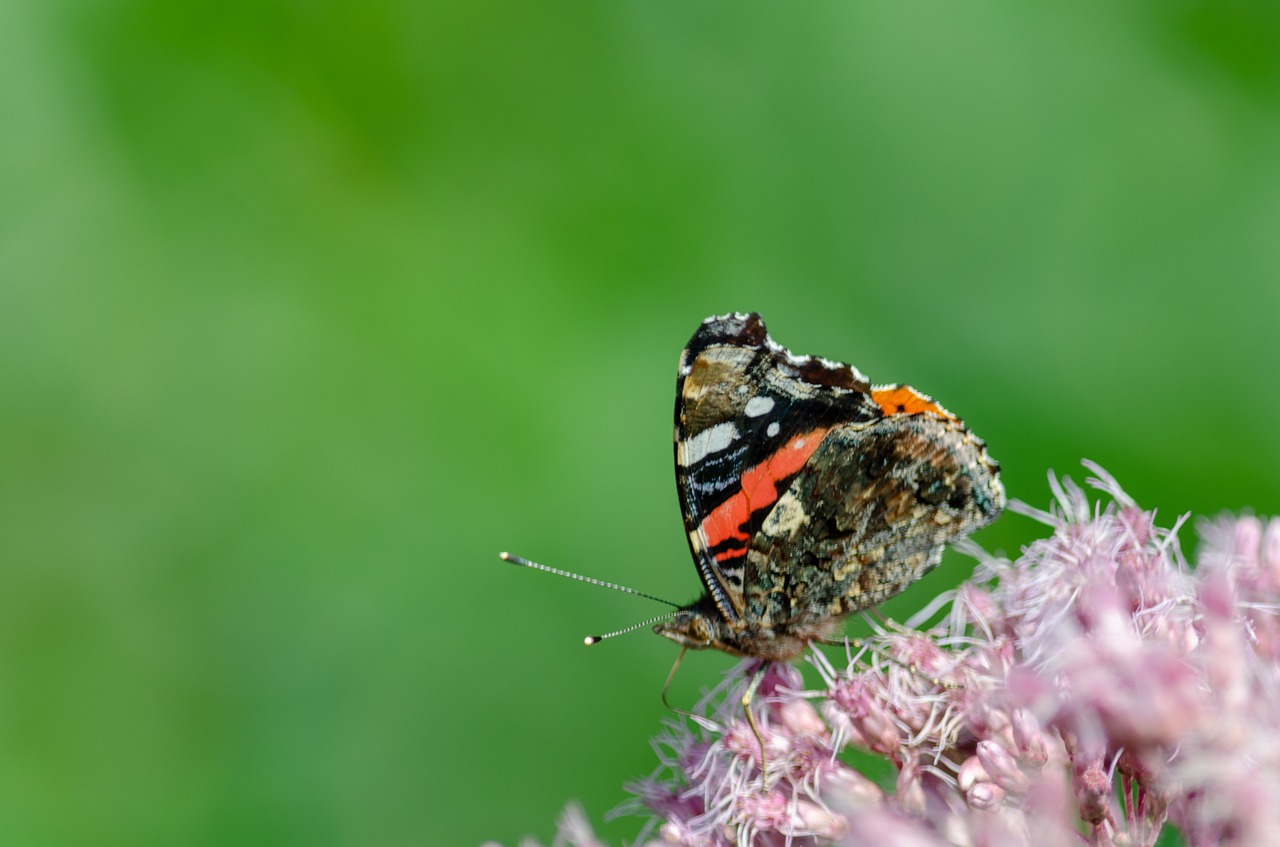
x: 867, y: 516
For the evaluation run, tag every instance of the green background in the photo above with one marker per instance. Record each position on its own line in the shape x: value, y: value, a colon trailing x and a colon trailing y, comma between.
x: 309, y: 309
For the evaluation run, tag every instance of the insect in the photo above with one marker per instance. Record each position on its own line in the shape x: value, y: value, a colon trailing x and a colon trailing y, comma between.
x: 808, y: 493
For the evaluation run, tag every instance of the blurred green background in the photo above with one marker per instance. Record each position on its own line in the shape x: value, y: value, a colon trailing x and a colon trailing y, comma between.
x: 309, y: 309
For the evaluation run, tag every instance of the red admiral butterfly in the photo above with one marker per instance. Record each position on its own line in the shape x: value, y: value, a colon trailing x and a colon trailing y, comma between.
x: 808, y: 494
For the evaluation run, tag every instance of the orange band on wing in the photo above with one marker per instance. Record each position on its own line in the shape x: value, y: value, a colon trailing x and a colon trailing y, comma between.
x: 727, y: 520
x: 905, y: 400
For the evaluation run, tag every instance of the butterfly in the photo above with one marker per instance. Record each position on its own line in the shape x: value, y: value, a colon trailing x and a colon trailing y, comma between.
x: 808, y: 493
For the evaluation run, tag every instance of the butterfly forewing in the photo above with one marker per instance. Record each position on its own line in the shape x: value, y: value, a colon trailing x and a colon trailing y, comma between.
x: 749, y: 416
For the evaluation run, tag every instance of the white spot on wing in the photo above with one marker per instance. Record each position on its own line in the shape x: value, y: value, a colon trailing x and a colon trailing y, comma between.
x: 772, y: 429
x: 731, y: 316
x: 711, y: 440
x: 785, y: 518
x: 757, y: 406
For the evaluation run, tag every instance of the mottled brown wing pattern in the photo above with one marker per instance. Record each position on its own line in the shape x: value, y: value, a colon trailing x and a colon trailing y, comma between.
x: 867, y: 516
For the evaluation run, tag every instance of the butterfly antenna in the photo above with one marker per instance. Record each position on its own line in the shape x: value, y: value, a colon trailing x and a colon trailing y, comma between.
x: 596, y: 639
x: 525, y: 563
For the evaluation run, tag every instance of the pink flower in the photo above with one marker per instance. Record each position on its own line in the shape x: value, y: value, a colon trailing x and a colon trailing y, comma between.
x: 1095, y: 689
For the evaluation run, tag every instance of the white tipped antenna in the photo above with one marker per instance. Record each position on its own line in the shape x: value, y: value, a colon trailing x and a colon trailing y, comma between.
x: 596, y: 639
x: 525, y: 563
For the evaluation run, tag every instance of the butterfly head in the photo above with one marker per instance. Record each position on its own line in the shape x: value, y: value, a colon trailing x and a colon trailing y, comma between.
x: 697, y: 628
x: 700, y: 626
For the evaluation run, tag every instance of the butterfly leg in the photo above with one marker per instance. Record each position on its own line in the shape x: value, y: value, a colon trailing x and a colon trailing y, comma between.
x: 666, y: 685
x: 747, y: 695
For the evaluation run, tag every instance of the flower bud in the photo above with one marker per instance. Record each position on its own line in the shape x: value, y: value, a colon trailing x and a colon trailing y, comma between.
x: 985, y: 796
x: 1029, y: 739
x: 801, y: 718
x: 971, y: 773
x: 1093, y: 793
x: 850, y: 789
x: 1002, y: 767
x: 910, y: 792
x: 825, y: 824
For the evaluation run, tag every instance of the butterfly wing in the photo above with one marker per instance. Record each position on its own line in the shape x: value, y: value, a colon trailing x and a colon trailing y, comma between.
x: 749, y: 417
x: 869, y: 514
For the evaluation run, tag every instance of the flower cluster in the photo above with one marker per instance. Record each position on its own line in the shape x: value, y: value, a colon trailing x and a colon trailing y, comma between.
x: 1094, y: 690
